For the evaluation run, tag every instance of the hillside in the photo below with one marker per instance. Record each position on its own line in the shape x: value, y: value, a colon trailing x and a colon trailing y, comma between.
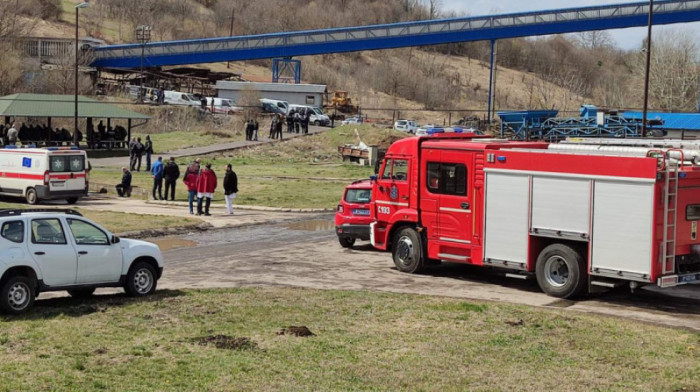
x: 553, y: 72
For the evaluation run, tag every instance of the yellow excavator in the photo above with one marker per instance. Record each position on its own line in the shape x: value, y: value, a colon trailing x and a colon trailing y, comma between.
x: 341, y: 102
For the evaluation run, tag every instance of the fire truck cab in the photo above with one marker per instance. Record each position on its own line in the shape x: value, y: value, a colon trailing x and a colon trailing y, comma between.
x: 581, y: 213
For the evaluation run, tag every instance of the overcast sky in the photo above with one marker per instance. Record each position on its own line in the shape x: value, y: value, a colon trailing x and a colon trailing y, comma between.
x: 626, y: 39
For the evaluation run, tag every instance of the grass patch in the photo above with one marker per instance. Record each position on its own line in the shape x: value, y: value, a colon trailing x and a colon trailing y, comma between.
x: 364, y: 341
x: 120, y: 222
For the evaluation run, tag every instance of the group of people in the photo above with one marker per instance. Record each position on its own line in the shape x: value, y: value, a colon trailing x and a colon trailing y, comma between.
x: 136, y: 151
x: 201, y: 183
x: 298, y: 120
x: 35, y: 134
x: 276, y: 126
x: 251, y: 130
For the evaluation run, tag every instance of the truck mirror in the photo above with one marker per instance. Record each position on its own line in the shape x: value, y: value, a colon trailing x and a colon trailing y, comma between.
x: 373, y: 178
x: 115, y: 239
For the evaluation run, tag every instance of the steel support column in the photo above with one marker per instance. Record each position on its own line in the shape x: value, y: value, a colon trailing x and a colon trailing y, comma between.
x: 493, y: 61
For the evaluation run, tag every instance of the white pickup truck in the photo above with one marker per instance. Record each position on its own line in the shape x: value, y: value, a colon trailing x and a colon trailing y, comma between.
x: 54, y: 250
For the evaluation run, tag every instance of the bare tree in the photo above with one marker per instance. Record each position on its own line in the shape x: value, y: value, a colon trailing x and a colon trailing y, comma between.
x: 434, y: 8
x: 673, y: 74
x: 594, y: 40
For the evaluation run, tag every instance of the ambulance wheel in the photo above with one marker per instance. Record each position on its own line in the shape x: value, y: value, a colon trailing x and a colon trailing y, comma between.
x: 72, y: 200
x: 561, y: 271
x: 31, y: 196
x: 346, y: 242
x: 407, y: 251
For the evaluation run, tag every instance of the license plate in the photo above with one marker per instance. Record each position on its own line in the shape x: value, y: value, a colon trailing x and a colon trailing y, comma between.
x: 360, y: 212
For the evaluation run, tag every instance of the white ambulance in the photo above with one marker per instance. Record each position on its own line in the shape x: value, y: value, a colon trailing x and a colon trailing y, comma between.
x: 43, y: 173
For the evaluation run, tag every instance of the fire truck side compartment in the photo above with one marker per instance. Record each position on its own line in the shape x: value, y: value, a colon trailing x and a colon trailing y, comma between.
x: 623, y: 219
x: 506, y: 220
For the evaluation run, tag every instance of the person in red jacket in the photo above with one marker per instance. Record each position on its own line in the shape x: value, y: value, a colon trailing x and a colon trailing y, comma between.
x: 190, y: 180
x: 206, y: 186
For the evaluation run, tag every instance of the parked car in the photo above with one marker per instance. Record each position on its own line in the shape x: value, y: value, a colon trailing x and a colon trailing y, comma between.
x: 54, y: 250
x: 353, y: 214
x: 353, y: 120
x: 274, y: 106
x: 317, y: 116
x: 221, y: 105
x: 178, y: 98
x: 409, y: 126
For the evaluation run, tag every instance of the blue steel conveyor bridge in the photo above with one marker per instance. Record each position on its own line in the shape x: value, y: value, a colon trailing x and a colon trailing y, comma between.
x: 397, y: 35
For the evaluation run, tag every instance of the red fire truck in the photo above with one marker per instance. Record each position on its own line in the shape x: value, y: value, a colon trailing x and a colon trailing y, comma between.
x: 576, y: 214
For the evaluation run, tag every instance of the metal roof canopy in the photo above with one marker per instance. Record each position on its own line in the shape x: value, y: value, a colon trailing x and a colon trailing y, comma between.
x: 48, y: 105
x: 275, y: 87
x: 387, y: 36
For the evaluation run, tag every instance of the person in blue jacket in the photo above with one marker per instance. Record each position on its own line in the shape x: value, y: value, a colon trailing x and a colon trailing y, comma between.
x: 157, y: 173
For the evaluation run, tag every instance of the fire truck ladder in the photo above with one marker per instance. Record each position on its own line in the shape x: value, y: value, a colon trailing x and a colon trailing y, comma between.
x: 668, y: 247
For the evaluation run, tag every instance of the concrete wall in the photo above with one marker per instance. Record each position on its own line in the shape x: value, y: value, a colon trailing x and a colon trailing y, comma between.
x: 291, y: 97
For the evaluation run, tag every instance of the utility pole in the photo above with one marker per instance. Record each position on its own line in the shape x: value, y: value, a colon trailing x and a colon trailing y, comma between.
x: 646, y: 74
x: 77, y: 51
x: 233, y: 16
x: 143, y: 35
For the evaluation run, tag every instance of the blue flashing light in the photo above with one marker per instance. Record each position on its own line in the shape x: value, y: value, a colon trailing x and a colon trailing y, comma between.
x: 9, y: 146
x: 501, y: 159
x: 52, y: 148
x: 433, y: 131
x: 31, y: 146
x: 74, y: 148
x: 682, y: 175
x: 458, y: 130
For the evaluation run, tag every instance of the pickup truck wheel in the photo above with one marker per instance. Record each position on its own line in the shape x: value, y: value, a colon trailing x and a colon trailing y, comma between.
x: 407, y: 251
x: 346, y: 242
x: 72, y: 200
x: 317, y: 123
x: 81, y: 293
x: 141, y: 280
x: 561, y: 271
x: 17, y: 295
x: 31, y: 196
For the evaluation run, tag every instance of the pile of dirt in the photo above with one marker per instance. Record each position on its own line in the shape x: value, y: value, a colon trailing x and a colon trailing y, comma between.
x: 226, y: 342
x: 301, y: 331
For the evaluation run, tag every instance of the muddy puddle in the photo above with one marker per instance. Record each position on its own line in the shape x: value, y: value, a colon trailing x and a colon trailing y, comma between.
x: 311, y: 225
x: 166, y: 244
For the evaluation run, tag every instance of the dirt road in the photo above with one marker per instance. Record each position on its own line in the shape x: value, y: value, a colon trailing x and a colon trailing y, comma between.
x: 305, y: 253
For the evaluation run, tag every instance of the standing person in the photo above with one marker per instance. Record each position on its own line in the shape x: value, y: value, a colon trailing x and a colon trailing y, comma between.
x: 206, y: 186
x: 148, y: 148
x: 273, y: 127
x: 12, y: 134
x: 190, y: 180
x: 157, y: 173
x: 306, y: 120
x: 138, y: 152
x: 297, y: 121
x: 280, y: 120
x: 230, y: 188
x: 132, y: 143
x: 124, y: 187
x: 249, y: 130
x: 171, y: 172
x: 290, y: 121
x: 256, y: 127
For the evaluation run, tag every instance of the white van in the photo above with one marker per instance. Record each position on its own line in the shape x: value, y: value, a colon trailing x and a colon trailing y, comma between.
x: 221, y: 105
x: 43, y: 173
x: 178, y: 98
x: 317, y: 115
x: 274, y: 106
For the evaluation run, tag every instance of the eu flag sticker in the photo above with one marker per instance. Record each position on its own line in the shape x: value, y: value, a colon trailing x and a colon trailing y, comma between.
x: 26, y: 162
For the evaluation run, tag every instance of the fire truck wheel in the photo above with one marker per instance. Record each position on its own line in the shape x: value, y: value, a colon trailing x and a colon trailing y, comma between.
x: 407, y: 251
x: 561, y: 271
x: 346, y: 242
x: 31, y: 196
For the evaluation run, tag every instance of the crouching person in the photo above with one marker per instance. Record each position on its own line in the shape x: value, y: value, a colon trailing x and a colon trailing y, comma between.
x: 124, y: 188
